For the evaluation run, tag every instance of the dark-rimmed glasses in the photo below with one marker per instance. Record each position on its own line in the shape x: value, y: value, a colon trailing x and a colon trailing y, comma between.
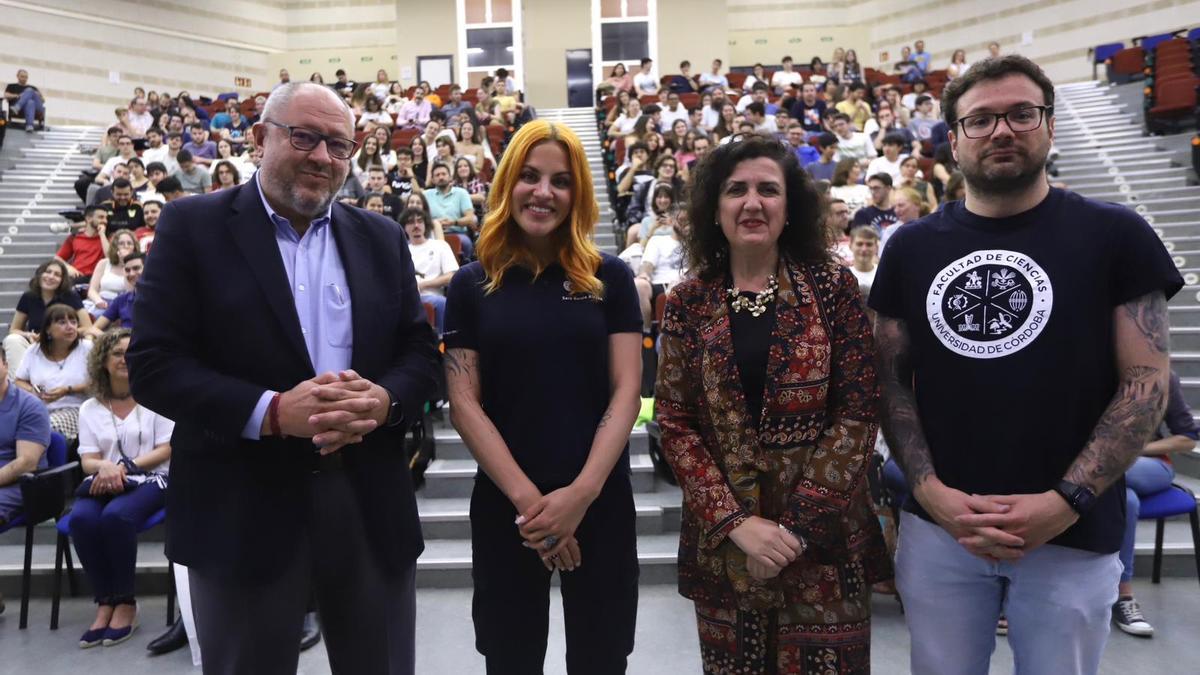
x: 1021, y: 120
x: 306, y: 140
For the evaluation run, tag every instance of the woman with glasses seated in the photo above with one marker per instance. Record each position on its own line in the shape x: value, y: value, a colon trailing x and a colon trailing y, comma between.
x: 55, y: 369
x: 125, y: 450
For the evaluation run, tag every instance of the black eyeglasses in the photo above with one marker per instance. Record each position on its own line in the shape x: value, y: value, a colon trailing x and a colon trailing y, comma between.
x: 1021, y: 120
x: 305, y: 140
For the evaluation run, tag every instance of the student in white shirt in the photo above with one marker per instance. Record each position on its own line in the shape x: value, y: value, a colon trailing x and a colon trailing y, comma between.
x: 782, y: 79
x: 662, y: 266
x: 644, y: 83
x: 433, y: 260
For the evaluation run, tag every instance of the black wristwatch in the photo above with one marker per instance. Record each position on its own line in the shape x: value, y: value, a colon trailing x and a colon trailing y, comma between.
x: 395, y: 414
x: 1080, y: 498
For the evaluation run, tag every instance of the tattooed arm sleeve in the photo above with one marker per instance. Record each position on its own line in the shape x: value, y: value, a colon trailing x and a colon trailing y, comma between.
x: 901, y: 424
x: 1143, y: 361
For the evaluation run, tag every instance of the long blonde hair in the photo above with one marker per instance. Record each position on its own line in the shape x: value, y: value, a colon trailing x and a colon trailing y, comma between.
x: 500, y: 247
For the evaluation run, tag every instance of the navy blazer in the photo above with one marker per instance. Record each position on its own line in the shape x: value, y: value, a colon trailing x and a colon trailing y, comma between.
x: 217, y: 326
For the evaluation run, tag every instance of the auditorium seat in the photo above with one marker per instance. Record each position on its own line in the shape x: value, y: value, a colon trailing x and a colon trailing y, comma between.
x: 736, y: 80
x: 1126, y: 65
x: 403, y: 137
x: 1102, y: 53
x: 689, y: 100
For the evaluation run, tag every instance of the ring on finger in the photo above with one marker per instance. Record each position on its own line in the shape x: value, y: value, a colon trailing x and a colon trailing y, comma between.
x: 550, y: 542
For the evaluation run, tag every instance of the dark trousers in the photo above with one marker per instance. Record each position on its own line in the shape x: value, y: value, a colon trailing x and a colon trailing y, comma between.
x: 368, y: 616
x: 105, y: 532
x: 511, y: 604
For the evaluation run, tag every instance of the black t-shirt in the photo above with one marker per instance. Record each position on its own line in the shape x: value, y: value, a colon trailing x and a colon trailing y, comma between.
x: 401, y: 186
x: 35, y: 308
x: 17, y: 88
x: 543, y: 359
x: 1012, y: 340
x: 128, y: 217
x: 875, y: 217
x: 808, y: 116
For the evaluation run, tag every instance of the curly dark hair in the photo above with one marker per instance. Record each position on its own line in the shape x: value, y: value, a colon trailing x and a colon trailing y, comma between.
x: 97, y: 364
x: 802, y: 239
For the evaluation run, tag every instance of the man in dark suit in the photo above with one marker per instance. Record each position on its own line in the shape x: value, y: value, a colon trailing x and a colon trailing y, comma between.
x: 285, y: 336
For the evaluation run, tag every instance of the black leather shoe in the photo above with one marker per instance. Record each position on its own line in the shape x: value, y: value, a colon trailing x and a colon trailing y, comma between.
x: 173, y: 639
x: 311, y: 634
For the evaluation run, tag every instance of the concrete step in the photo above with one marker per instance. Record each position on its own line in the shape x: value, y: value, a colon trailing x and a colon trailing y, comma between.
x: 1185, y: 339
x: 1186, y: 364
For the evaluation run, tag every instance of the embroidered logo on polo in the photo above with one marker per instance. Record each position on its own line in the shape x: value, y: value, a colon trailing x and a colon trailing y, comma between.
x: 989, y: 304
x: 578, y: 295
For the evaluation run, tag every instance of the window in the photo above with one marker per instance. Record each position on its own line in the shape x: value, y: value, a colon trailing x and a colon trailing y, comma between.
x: 490, y: 38
x: 623, y: 31
x: 624, y: 41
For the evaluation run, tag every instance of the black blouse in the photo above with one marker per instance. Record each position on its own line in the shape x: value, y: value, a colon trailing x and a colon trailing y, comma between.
x: 751, y: 342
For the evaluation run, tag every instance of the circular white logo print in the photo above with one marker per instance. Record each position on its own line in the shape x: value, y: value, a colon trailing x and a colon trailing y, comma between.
x: 989, y: 304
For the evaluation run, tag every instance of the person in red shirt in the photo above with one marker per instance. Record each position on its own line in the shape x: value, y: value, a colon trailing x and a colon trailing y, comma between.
x: 151, y: 209
x: 82, y: 250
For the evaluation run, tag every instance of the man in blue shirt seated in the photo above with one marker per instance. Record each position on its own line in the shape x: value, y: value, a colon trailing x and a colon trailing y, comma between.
x: 24, y: 435
x: 120, y: 310
x: 805, y: 153
x: 451, y: 208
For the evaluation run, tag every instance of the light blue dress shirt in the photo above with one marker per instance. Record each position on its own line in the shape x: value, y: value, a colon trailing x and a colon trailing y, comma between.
x: 322, y: 296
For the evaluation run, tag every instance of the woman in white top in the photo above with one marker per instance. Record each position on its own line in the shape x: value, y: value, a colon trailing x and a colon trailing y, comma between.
x: 662, y: 266
x: 470, y: 145
x: 125, y: 450
x: 958, y: 64
x: 368, y: 156
x: 382, y: 85
x: 108, y: 279
x: 55, y: 369
x: 845, y: 185
x: 374, y: 114
x: 384, y: 136
x: 759, y: 74
x: 395, y: 99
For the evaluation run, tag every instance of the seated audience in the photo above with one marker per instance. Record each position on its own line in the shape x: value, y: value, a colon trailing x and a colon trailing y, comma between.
x: 124, y: 213
x: 879, y: 214
x: 864, y: 243
x: 923, y: 119
x: 662, y: 266
x: 402, y: 179
x: 470, y: 144
x: 644, y: 82
x: 845, y: 186
x: 805, y: 153
x: 50, y: 285
x: 24, y: 437
x: 420, y: 159
x: 125, y: 451
x: 1150, y: 474
x: 663, y: 207
x: 809, y: 109
x: 456, y: 106
x: 910, y: 170
x: 851, y: 70
x: 624, y: 124
x: 620, y: 79
x: 151, y: 210
x: 785, y: 77
x: 81, y: 250
x: 99, y: 196
x: 466, y: 178
x: 377, y: 186
x: 909, y: 206
x: 138, y: 180
x: 227, y: 175
x: 958, y: 64
x: 202, y: 150
x: 108, y: 279
x: 225, y: 153
x: 167, y: 155
x: 889, y: 163
x: 450, y: 208
x: 120, y: 311
x: 852, y: 144
x: 433, y: 260
x: 193, y: 178
x: 415, y: 113
x: 956, y: 188
x: 714, y: 80
x: 374, y: 115
x: 855, y: 106
x: 55, y: 369
x: 382, y: 85
x: 823, y: 167
x: 26, y: 99
x: 837, y: 224
x: 666, y: 172
x: 684, y: 82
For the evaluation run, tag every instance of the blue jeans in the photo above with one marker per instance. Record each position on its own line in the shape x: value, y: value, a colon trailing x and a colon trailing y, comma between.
x: 1058, y: 602
x: 30, y: 105
x: 439, y: 309
x: 105, y: 534
x: 1147, y: 476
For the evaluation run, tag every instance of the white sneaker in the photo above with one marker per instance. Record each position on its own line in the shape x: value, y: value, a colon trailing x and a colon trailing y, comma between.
x: 1128, y: 617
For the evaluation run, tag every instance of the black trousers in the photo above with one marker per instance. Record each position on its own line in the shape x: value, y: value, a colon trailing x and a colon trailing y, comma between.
x: 511, y: 604
x: 368, y: 617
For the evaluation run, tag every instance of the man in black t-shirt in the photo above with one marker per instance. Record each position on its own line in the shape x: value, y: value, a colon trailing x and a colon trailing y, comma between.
x: 879, y: 214
x: 401, y: 179
x: 124, y: 213
x: 26, y: 99
x: 1022, y: 338
x: 377, y: 184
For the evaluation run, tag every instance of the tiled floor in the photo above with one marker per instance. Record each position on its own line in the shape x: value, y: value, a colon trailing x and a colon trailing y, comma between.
x: 666, y: 638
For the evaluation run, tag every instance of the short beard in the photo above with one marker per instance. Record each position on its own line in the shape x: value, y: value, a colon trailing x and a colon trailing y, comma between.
x: 309, y: 208
x: 981, y: 182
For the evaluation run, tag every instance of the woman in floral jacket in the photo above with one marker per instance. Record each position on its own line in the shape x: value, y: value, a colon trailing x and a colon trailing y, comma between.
x: 767, y: 400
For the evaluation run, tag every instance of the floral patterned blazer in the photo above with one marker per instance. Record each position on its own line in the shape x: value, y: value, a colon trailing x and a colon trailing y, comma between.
x: 803, y: 467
